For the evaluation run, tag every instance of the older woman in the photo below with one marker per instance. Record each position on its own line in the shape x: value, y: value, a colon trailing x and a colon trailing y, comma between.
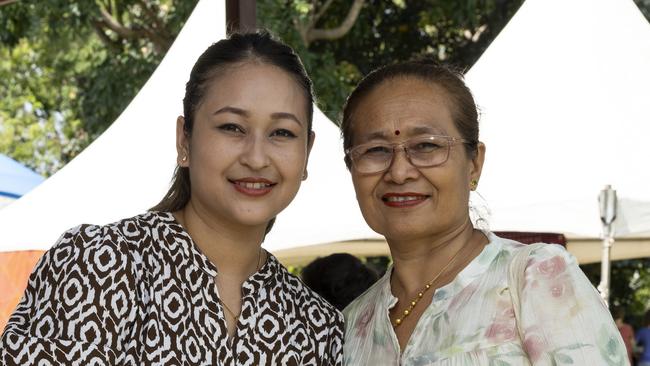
x: 411, y: 140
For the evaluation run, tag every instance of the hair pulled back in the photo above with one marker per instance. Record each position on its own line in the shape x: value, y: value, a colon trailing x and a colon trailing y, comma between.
x: 237, y: 49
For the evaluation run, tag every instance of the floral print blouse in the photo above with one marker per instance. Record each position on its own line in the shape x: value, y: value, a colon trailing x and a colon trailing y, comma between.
x: 471, y: 321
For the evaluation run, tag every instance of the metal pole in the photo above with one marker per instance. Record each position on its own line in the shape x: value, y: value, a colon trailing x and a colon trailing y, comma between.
x: 607, y: 202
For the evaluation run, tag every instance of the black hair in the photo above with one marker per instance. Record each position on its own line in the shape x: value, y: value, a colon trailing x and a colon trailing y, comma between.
x: 338, y: 278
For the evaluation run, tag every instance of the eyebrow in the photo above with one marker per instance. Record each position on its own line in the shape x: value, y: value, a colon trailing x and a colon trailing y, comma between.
x: 286, y: 115
x: 418, y: 130
x: 246, y: 114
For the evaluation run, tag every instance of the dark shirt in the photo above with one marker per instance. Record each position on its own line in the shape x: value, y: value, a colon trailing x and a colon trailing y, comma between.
x: 140, y: 292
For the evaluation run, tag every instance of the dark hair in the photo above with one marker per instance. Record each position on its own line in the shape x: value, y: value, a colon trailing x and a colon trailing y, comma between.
x: 338, y: 278
x: 618, y: 312
x: 463, y: 109
x: 237, y: 49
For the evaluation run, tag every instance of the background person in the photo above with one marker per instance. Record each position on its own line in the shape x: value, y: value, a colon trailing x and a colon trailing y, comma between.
x: 410, y: 134
x: 643, y: 341
x: 339, y: 278
x: 188, y: 282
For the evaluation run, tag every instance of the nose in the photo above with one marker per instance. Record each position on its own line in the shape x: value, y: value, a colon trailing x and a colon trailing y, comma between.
x: 401, y: 170
x: 254, y: 154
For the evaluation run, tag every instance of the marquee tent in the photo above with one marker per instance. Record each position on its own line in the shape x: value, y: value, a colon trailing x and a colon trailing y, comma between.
x: 564, y: 92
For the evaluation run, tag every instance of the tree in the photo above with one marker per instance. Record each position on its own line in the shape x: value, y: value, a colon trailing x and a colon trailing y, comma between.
x: 70, y: 68
x: 384, y: 32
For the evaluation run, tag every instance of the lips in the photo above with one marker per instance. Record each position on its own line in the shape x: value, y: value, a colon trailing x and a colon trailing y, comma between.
x: 406, y: 199
x: 253, y: 186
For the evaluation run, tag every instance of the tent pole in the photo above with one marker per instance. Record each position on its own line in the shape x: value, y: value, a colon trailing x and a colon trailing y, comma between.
x: 607, y: 203
x: 241, y: 16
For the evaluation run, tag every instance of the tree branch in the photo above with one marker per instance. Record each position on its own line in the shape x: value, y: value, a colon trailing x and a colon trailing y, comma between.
x: 320, y: 13
x: 112, y: 24
x: 315, y: 34
x: 99, y: 30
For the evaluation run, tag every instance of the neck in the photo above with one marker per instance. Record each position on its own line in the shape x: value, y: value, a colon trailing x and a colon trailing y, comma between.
x: 234, y: 249
x: 417, y: 261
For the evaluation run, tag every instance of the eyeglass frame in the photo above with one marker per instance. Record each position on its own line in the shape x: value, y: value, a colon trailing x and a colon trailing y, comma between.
x: 452, y: 141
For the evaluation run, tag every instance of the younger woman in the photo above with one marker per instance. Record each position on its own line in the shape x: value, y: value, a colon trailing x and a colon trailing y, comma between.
x: 188, y: 283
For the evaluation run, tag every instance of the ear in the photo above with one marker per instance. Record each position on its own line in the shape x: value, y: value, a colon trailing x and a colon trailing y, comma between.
x: 476, y: 165
x: 182, y: 143
x: 310, y: 144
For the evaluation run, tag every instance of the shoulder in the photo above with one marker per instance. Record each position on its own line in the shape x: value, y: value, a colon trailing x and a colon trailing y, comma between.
x: 99, y: 248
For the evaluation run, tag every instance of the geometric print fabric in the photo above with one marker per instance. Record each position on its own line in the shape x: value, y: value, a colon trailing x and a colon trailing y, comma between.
x: 140, y: 292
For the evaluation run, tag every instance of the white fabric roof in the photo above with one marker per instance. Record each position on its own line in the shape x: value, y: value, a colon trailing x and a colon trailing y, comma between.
x: 565, y: 98
x: 129, y: 167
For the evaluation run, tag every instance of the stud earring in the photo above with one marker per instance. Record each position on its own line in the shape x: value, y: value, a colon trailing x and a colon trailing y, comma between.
x: 184, y: 158
x: 473, y: 184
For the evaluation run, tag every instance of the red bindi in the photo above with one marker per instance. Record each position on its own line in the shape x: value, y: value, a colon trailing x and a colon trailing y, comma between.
x: 396, y: 132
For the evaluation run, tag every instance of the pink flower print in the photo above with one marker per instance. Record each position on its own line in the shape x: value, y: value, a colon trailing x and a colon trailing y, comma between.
x: 361, y: 327
x: 503, y: 327
x: 534, y: 346
x: 501, y: 331
x: 552, y: 267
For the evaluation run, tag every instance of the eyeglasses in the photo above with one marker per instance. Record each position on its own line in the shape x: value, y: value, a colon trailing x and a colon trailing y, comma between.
x: 421, y: 152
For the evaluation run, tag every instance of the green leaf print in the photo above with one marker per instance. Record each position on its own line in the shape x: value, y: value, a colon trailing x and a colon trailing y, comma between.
x: 495, y: 362
x: 610, y: 348
x: 562, y: 358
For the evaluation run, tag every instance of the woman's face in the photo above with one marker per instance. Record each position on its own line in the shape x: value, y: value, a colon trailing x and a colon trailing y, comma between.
x: 406, y: 202
x: 249, y: 146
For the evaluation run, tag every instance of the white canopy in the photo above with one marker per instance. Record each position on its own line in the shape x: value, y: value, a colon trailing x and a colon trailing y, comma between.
x: 565, y: 97
x: 129, y: 167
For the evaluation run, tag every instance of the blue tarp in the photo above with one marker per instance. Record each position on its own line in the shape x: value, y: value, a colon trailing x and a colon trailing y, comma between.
x: 15, y: 178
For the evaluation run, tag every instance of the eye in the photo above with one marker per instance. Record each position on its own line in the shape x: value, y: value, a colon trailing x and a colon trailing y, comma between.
x: 425, y: 147
x: 375, y: 151
x: 283, y: 133
x: 231, y: 128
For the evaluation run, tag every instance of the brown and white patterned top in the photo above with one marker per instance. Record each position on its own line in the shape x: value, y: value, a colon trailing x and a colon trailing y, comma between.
x: 139, y: 292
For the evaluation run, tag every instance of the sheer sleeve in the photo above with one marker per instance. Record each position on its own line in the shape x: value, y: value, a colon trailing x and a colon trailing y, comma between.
x: 77, y: 304
x: 564, y: 320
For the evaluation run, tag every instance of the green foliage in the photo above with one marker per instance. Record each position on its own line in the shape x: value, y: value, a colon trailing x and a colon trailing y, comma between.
x: 385, y: 32
x: 66, y: 75
x: 629, y: 285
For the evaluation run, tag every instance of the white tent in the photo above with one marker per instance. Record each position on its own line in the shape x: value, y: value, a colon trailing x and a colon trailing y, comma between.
x: 128, y: 168
x: 565, y: 98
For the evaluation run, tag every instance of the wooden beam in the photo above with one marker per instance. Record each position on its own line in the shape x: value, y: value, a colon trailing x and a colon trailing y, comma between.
x: 241, y: 16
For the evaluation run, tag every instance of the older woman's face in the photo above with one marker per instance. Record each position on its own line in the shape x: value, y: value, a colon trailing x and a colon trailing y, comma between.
x: 407, y: 202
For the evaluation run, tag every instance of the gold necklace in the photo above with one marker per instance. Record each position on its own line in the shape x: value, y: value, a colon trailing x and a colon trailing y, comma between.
x: 232, y: 313
x: 427, y: 286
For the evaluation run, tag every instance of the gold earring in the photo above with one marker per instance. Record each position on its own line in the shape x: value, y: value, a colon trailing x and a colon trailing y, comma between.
x: 473, y: 184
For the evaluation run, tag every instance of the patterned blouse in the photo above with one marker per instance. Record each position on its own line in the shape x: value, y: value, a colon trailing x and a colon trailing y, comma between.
x: 471, y: 320
x: 139, y: 292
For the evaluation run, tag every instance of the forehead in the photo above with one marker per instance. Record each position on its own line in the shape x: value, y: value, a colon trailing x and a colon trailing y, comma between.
x: 256, y: 87
x: 408, y: 105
